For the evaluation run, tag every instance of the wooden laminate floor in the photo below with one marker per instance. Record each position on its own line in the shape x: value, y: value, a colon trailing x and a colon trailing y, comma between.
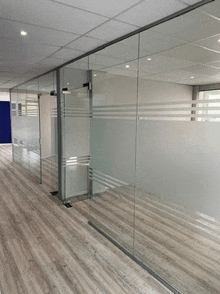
x: 180, y: 245
x: 48, y: 248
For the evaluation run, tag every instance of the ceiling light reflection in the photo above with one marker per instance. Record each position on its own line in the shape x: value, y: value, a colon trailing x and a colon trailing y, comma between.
x: 23, y: 33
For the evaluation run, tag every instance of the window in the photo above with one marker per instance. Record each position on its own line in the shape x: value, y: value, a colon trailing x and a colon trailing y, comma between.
x: 209, y: 108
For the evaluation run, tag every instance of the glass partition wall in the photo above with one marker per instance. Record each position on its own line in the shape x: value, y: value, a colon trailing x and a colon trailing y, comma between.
x: 29, y: 137
x: 48, y: 130
x: 26, y: 128
x: 113, y: 136
x: 140, y: 140
x: 155, y: 149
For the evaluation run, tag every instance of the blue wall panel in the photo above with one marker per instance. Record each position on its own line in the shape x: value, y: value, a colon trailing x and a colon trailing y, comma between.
x: 5, y: 122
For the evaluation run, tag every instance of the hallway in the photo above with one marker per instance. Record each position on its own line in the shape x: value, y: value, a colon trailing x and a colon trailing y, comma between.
x: 48, y: 248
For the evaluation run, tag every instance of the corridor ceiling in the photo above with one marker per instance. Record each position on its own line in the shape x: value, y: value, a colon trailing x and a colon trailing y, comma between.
x: 58, y: 31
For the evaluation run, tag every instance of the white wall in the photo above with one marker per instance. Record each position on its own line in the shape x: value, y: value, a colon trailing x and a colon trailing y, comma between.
x: 123, y: 90
x: 4, y: 96
x: 153, y: 91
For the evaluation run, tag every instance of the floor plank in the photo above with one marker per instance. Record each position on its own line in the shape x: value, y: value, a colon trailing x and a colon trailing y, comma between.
x: 46, y: 248
x: 180, y: 245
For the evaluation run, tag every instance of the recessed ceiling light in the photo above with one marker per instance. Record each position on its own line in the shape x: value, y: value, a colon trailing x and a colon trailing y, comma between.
x: 67, y: 83
x: 149, y: 58
x: 127, y: 65
x: 192, y: 77
x: 43, y: 89
x: 219, y: 40
x: 95, y: 75
x: 23, y: 33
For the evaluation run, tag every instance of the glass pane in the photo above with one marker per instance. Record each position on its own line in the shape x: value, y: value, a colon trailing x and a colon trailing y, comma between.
x: 15, y: 125
x: 33, y: 129
x: 113, y: 131
x: 21, y: 128
x: 75, y: 131
x: 25, y: 128
x: 48, y: 126
x: 177, y: 214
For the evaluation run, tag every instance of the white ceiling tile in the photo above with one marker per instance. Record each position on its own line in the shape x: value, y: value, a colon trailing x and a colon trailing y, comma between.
x: 39, y: 68
x: 215, y: 64
x: 111, y: 30
x: 15, y: 64
x: 78, y: 65
x: 51, y: 25
x: 4, y: 68
x: 133, y: 66
x: 95, y: 66
x: 8, y: 85
x: 125, y: 50
x: 210, y: 43
x: 150, y: 11
x: 35, y: 34
x: 19, y: 80
x: 85, y: 44
x: 26, y: 48
x: 103, y: 61
x: 130, y: 42
x: 33, y: 73
x: 152, y: 42
x: 51, y: 61
x: 51, y: 15
x: 192, y: 53
x: 192, y: 26
x: 204, y: 70
x: 177, y: 76
x: 160, y: 63
x: 212, y: 8
x: 4, y: 80
x: 202, y: 80
x: 20, y: 57
x: 67, y: 54
x: 82, y: 63
x: 106, y: 8
x: 120, y: 52
x: 7, y: 75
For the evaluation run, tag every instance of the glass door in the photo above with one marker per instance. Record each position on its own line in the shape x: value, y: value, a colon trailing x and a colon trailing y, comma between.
x: 76, y: 143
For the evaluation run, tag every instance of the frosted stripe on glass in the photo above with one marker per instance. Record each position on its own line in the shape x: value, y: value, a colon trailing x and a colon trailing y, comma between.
x: 162, y: 110
x: 105, y: 179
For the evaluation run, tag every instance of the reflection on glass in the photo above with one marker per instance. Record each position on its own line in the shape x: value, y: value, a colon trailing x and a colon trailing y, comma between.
x: 159, y: 152
x: 144, y: 141
x: 33, y: 129
x: 208, y: 106
x: 177, y: 165
x: 113, y: 127
x: 48, y: 126
x: 75, y: 115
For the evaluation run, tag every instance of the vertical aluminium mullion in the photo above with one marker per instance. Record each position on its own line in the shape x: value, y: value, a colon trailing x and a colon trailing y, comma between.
x: 40, y: 149
x: 59, y: 135
x: 90, y: 80
x: 11, y: 126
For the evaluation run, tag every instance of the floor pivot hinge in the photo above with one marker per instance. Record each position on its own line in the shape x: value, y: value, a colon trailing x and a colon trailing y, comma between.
x: 68, y: 205
x: 54, y: 193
